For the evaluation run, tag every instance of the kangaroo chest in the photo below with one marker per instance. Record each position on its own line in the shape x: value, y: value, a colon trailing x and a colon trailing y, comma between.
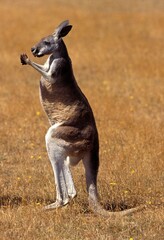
x: 64, y: 104
x: 52, y: 102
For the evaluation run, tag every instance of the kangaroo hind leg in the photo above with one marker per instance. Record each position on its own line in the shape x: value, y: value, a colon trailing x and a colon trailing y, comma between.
x: 69, y: 179
x: 62, y: 195
x: 91, y: 164
x: 57, y: 156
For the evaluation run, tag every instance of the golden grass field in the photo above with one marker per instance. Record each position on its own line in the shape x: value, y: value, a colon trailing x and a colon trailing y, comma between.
x: 117, y: 52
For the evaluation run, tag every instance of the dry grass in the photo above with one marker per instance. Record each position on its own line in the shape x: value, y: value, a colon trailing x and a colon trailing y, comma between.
x: 117, y: 54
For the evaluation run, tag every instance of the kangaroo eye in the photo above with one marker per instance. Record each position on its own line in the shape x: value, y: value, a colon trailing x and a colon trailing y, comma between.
x: 47, y: 43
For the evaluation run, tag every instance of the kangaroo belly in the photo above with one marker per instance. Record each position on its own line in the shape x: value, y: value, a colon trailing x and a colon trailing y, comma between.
x: 73, y: 139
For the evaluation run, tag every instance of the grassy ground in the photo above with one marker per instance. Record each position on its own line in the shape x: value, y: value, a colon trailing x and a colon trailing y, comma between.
x: 117, y: 53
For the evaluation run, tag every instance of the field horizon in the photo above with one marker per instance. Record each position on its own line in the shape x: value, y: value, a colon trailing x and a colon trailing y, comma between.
x: 117, y: 55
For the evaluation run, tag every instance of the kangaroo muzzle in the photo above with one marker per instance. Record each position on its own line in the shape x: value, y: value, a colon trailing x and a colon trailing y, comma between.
x: 35, y: 52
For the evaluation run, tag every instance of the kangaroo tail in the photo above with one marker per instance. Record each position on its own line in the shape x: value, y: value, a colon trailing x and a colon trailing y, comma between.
x: 99, y: 210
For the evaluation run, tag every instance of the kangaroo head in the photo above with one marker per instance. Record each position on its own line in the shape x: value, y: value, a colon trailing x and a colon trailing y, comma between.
x: 52, y: 43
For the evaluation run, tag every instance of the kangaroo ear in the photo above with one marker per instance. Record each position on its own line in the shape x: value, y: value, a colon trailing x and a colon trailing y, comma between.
x: 64, y: 31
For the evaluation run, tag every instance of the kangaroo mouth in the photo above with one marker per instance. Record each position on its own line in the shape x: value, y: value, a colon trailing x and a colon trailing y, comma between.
x: 38, y: 55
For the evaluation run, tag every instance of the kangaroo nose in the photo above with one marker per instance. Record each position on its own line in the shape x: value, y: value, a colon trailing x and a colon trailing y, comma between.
x: 33, y: 49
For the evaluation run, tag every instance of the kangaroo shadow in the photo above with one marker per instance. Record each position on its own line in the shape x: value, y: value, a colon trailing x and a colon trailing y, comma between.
x: 16, y: 201
x: 112, y: 206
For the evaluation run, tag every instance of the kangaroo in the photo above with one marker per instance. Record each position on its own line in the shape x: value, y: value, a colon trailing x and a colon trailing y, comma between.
x: 73, y: 134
